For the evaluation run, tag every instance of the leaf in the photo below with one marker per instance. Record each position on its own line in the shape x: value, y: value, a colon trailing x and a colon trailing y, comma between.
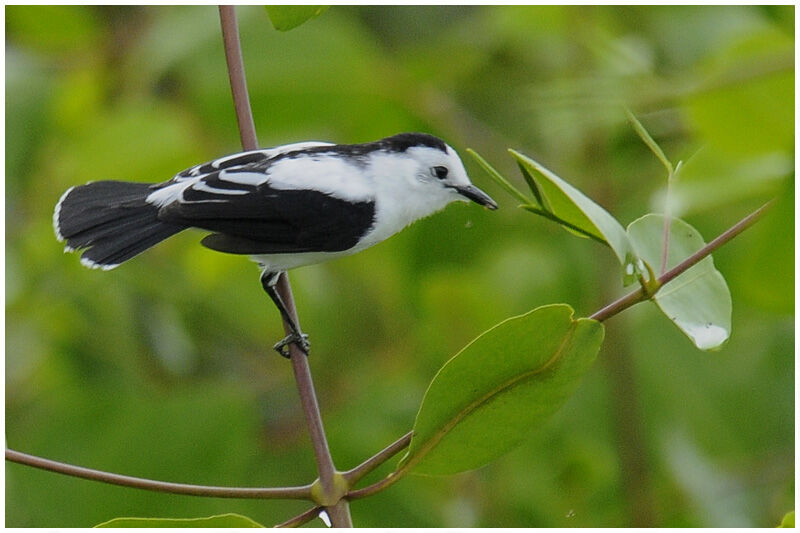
x: 649, y: 141
x: 488, y: 397
x: 698, y: 301
x: 285, y: 18
x: 531, y: 182
x: 581, y: 214
x: 498, y: 178
x: 788, y: 520
x: 228, y: 520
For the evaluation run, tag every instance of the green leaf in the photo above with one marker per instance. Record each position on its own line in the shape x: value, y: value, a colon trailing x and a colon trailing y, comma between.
x: 487, y: 398
x: 498, y: 178
x: 284, y: 18
x: 698, y: 301
x: 788, y: 520
x: 531, y: 183
x: 649, y: 141
x: 224, y: 520
x: 581, y: 214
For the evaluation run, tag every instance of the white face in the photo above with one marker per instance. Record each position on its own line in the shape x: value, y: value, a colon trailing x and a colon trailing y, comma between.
x: 443, y: 175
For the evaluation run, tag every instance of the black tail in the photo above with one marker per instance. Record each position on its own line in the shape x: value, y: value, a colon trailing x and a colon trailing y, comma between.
x: 111, y: 221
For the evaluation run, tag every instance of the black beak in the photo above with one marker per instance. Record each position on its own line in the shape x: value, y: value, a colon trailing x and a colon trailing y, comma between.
x: 476, y: 195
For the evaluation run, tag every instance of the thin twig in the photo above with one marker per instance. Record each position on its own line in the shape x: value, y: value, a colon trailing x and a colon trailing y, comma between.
x: 378, y: 486
x: 289, y: 493
x: 638, y: 295
x: 233, y: 56
x: 356, y: 474
x: 711, y: 247
x: 339, y: 513
x: 308, y: 397
x: 302, y: 518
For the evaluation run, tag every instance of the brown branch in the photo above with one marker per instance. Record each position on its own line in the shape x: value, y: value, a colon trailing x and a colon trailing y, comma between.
x: 302, y: 518
x: 233, y: 56
x: 289, y: 493
x: 378, y: 486
x: 639, y: 295
x: 353, y: 476
x: 339, y: 512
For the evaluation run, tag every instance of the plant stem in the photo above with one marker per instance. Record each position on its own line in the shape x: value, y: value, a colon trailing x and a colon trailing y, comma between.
x: 302, y: 518
x: 289, y: 493
x: 639, y: 295
x: 339, y: 512
x: 353, y: 476
x: 378, y: 486
x: 233, y: 57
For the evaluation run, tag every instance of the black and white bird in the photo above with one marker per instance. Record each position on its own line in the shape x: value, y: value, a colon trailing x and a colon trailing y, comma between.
x: 286, y: 206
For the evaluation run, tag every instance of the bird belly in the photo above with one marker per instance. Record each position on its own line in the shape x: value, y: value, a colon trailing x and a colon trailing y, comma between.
x: 280, y: 262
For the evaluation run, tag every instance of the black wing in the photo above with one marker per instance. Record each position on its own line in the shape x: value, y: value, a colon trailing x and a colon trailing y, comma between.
x: 257, y: 219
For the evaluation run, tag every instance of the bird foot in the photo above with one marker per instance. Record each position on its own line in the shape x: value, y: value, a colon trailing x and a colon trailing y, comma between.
x: 298, y: 339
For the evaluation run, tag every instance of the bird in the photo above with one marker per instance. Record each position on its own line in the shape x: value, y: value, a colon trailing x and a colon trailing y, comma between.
x: 285, y: 207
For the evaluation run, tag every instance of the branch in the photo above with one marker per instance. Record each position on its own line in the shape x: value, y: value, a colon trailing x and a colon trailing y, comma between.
x: 378, y: 486
x: 353, y: 476
x: 639, y: 295
x: 289, y: 493
x: 233, y: 56
x: 339, y: 512
x: 302, y: 518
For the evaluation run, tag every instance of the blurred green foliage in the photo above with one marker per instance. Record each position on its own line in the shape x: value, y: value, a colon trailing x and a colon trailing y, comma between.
x: 163, y: 367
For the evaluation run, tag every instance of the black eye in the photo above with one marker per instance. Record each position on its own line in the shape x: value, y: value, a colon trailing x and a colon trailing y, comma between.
x: 439, y: 172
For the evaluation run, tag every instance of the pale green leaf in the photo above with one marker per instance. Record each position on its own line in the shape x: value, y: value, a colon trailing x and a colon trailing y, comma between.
x: 698, y: 301
x: 788, y: 520
x: 583, y: 216
x: 650, y: 142
x: 229, y: 520
x: 284, y: 18
x: 486, y: 399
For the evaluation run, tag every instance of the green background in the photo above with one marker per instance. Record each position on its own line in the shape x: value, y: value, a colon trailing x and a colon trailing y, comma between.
x: 163, y: 367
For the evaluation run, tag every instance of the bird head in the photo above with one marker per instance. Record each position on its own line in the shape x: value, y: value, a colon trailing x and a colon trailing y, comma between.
x: 432, y: 169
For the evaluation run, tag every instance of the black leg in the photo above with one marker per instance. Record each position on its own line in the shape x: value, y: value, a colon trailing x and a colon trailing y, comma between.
x: 268, y: 281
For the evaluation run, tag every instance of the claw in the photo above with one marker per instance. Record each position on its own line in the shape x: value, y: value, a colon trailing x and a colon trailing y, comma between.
x: 299, y: 339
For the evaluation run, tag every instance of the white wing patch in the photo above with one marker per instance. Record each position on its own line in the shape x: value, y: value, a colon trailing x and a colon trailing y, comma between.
x: 201, y: 185
x: 272, y: 152
x: 243, y: 178
x: 324, y: 173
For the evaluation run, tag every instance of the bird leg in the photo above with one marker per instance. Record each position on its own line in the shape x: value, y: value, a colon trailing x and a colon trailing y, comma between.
x: 268, y: 281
